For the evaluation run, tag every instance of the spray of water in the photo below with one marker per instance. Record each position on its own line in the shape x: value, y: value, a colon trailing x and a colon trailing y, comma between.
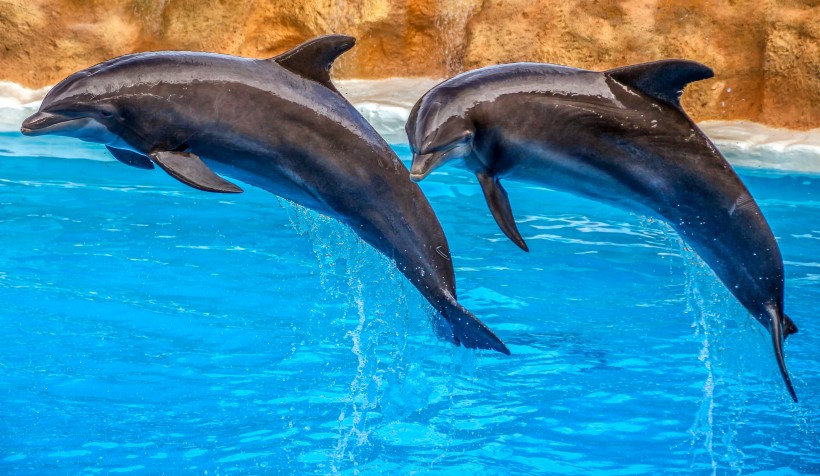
x: 703, y: 430
x: 394, y: 366
x: 714, y: 312
x: 376, y: 314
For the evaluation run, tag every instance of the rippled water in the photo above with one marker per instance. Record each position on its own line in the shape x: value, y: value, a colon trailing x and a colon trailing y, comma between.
x: 154, y: 329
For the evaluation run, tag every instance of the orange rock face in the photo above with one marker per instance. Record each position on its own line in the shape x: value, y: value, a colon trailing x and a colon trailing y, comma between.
x: 766, y: 55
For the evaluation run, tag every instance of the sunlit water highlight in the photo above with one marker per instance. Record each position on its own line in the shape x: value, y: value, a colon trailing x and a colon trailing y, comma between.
x: 154, y: 329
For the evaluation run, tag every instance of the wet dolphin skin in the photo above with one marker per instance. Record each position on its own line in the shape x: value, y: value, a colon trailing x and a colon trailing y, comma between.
x: 278, y: 124
x: 618, y: 136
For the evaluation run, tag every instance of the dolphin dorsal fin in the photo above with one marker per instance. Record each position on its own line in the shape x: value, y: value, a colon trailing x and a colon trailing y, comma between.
x: 663, y: 79
x: 313, y: 58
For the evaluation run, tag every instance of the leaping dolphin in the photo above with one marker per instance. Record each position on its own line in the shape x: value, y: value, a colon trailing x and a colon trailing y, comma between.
x: 278, y: 124
x: 618, y: 136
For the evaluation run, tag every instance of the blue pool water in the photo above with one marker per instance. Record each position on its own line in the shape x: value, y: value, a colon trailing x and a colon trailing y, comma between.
x: 149, y: 328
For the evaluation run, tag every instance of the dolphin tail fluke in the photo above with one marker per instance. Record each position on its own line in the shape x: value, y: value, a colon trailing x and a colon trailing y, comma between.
x: 789, y: 327
x: 779, y: 331
x: 468, y: 331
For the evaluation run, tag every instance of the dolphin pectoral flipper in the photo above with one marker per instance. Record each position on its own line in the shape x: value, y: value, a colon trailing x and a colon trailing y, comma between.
x: 192, y: 171
x: 663, y: 79
x: 312, y: 59
x: 133, y: 159
x: 499, y: 205
x: 468, y: 331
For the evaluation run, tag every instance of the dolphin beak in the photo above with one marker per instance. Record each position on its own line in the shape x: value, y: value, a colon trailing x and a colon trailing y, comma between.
x: 418, y: 171
x: 39, y: 123
x: 422, y: 166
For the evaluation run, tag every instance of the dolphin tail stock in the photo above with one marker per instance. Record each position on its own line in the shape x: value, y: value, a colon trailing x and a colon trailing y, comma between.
x: 779, y: 330
x: 465, y: 329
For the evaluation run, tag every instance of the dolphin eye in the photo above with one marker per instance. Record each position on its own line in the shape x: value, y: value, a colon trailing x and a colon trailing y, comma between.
x: 106, y: 113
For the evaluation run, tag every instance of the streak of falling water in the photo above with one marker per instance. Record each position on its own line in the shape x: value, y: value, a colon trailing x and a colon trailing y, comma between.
x: 451, y: 22
x: 340, y: 16
x: 347, y: 17
x: 151, y: 13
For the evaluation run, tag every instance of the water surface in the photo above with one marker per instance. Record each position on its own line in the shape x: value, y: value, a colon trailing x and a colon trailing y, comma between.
x: 149, y: 328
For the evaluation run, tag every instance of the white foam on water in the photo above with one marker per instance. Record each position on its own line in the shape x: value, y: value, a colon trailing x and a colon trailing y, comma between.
x: 17, y: 103
x: 14, y: 95
x: 755, y: 146
x: 386, y: 103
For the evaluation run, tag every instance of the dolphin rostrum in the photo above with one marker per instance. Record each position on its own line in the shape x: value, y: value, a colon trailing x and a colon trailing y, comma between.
x: 278, y: 124
x: 618, y: 136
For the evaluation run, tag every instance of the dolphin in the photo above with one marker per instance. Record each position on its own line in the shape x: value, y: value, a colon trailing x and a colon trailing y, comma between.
x: 618, y: 136
x: 278, y: 124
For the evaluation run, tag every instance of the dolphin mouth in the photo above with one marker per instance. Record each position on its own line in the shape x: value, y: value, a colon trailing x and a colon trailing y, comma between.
x: 424, y: 164
x: 41, y: 123
x: 419, y: 170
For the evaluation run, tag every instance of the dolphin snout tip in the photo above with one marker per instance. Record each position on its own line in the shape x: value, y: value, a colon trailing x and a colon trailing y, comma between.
x: 36, y: 121
x: 28, y: 127
x: 29, y: 130
x: 419, y: 168
x: 25, y: 127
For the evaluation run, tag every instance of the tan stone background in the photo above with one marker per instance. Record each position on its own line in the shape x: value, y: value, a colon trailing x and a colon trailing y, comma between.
x: 766, y: 53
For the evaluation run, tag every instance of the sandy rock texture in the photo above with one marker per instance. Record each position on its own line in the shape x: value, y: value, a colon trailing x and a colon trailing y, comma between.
x: 766, y: 53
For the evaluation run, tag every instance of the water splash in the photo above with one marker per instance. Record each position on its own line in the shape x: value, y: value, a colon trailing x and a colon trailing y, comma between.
x: 334, y: 246
x: 714, y: 431
x: 392, y: 381
x: 703, y: 429
x: 376, y: 311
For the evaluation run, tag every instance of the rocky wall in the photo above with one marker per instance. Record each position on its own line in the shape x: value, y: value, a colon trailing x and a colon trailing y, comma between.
x: 765, y: 53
